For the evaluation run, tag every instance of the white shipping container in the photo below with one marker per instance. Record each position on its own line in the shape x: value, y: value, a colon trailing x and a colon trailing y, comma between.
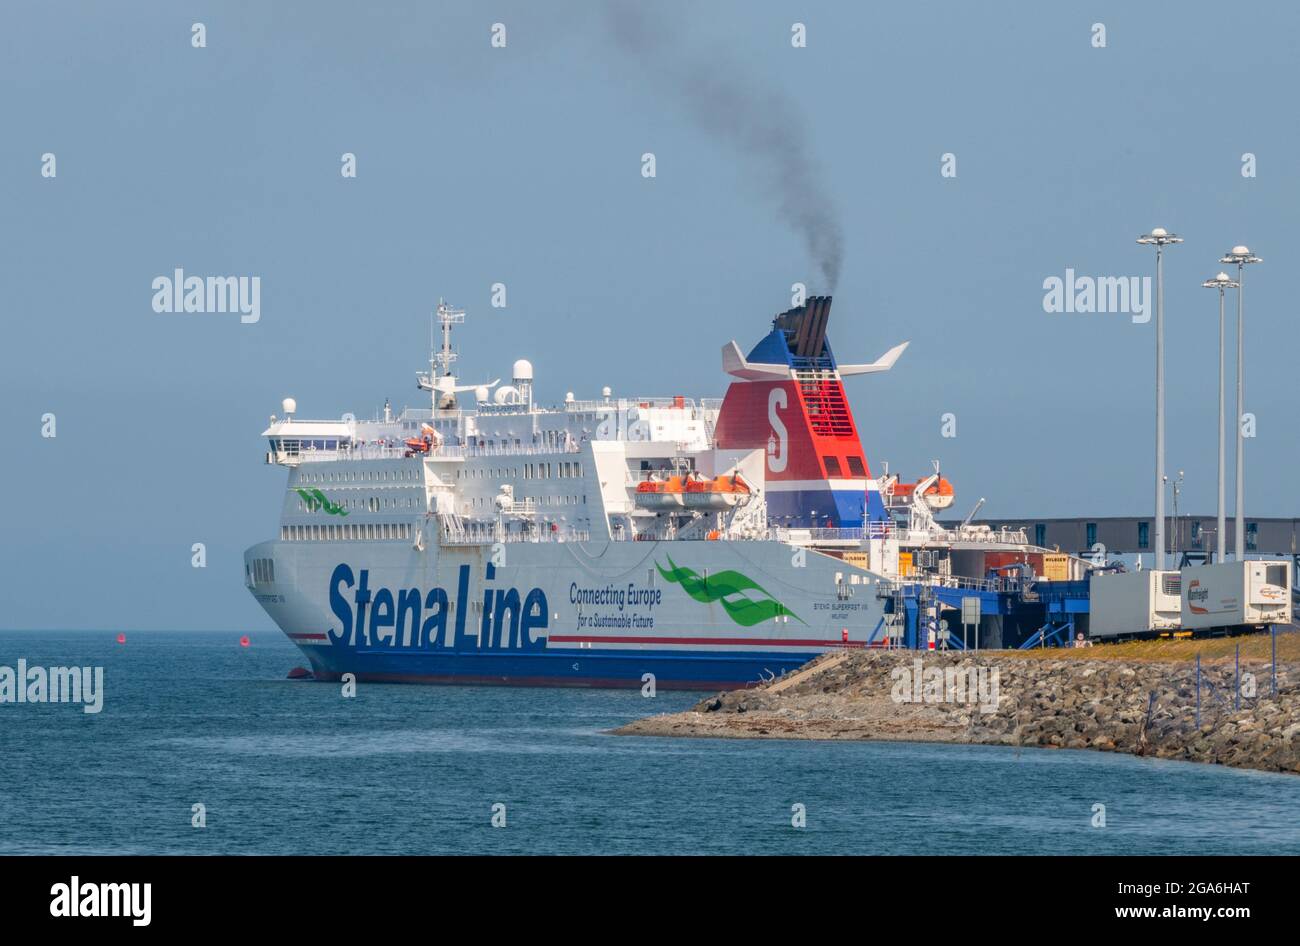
x: 1122, y: 603
x: 1233, y: 594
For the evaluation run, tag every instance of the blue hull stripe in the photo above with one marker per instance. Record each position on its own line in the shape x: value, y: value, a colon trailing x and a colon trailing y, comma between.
x: 671, y: 669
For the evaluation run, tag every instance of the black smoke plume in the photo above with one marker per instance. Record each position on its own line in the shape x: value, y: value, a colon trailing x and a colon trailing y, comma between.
x: 763, y: 125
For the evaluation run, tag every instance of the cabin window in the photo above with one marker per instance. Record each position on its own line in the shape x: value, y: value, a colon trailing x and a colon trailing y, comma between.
x: 855, y: 466
x: 832, y: 466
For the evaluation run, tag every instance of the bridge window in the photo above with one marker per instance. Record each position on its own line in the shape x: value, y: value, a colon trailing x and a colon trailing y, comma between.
x: 832, y: 466
x: 855, y: 466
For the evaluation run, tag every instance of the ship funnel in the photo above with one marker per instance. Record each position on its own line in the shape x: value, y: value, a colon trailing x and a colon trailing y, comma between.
x: 805, y: 327
x: 789, y: 403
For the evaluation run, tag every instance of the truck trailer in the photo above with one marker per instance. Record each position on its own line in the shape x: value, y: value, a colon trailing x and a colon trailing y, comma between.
x: 1132, y: 604
x: 1236, y: 595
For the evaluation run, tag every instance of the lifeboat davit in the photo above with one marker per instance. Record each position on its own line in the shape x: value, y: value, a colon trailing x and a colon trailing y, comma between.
x: 939, y: 495
x: 428, y: 441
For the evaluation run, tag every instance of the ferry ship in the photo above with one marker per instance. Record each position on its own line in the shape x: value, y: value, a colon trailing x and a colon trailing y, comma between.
x: 621, y: 541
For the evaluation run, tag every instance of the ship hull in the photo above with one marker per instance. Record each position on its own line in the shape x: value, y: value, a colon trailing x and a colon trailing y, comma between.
x: 674, y: 615
x: 675, y: 671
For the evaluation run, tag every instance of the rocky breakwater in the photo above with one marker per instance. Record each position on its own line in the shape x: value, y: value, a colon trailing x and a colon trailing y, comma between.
x: 1074, y: 701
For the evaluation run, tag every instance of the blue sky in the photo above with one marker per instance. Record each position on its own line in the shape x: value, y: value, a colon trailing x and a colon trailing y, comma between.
x: 522, y: 165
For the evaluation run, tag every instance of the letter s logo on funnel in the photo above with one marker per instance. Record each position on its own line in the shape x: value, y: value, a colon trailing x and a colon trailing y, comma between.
x: 778, y: 444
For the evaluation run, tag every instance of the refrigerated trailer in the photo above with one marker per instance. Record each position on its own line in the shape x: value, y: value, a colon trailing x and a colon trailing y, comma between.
x: 1235, y: 595
x: 1131, y: 604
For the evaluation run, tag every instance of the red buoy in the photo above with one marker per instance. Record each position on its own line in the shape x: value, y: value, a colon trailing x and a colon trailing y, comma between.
x: 243, y: 641
x: 121, y: 638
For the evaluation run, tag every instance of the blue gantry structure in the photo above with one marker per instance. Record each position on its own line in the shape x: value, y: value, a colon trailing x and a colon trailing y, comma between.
x: 1016, y: 610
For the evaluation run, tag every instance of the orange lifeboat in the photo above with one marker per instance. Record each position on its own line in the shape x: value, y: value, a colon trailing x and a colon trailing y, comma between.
x: 721, y: 492
x: 660, y: 494
x: 938, y: 496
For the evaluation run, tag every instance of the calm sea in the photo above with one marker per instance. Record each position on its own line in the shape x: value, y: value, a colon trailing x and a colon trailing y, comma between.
x: 290, y: 767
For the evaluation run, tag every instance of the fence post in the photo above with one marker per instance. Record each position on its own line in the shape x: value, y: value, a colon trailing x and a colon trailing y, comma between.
x: 1198, y: 692
x: 1237, y: 684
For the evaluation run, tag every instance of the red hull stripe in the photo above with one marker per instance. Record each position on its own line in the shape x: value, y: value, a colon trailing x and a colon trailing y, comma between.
x: 747, y: 641
x: 760, y: 641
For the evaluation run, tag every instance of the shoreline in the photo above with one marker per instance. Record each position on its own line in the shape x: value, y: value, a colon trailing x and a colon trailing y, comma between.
x: 1135, y: 700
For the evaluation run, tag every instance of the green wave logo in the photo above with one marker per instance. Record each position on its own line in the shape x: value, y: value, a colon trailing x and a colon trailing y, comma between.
x: 315, y: 499
x: 733, y: 590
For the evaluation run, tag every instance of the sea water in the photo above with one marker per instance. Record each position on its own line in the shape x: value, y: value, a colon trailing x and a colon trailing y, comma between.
x: 202, y: 746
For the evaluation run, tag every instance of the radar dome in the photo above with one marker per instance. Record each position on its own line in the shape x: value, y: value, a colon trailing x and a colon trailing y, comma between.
x: 523, y: 370
x: 481, y: 393
x: 289, y: 405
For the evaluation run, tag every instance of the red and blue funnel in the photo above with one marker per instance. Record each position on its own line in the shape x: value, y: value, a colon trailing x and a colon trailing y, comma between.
x: 789, y: 401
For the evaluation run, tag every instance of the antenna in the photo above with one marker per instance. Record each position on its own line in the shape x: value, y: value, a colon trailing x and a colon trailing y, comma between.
x: 447, y: 317
x: 441, y: 358
x: 444, y: 388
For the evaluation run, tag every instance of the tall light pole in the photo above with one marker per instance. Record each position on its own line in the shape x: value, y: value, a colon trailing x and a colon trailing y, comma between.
x: 1160, y: 238
x: 1177, y: 486
x: 1221, y: 282
x: 1240, y: 255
